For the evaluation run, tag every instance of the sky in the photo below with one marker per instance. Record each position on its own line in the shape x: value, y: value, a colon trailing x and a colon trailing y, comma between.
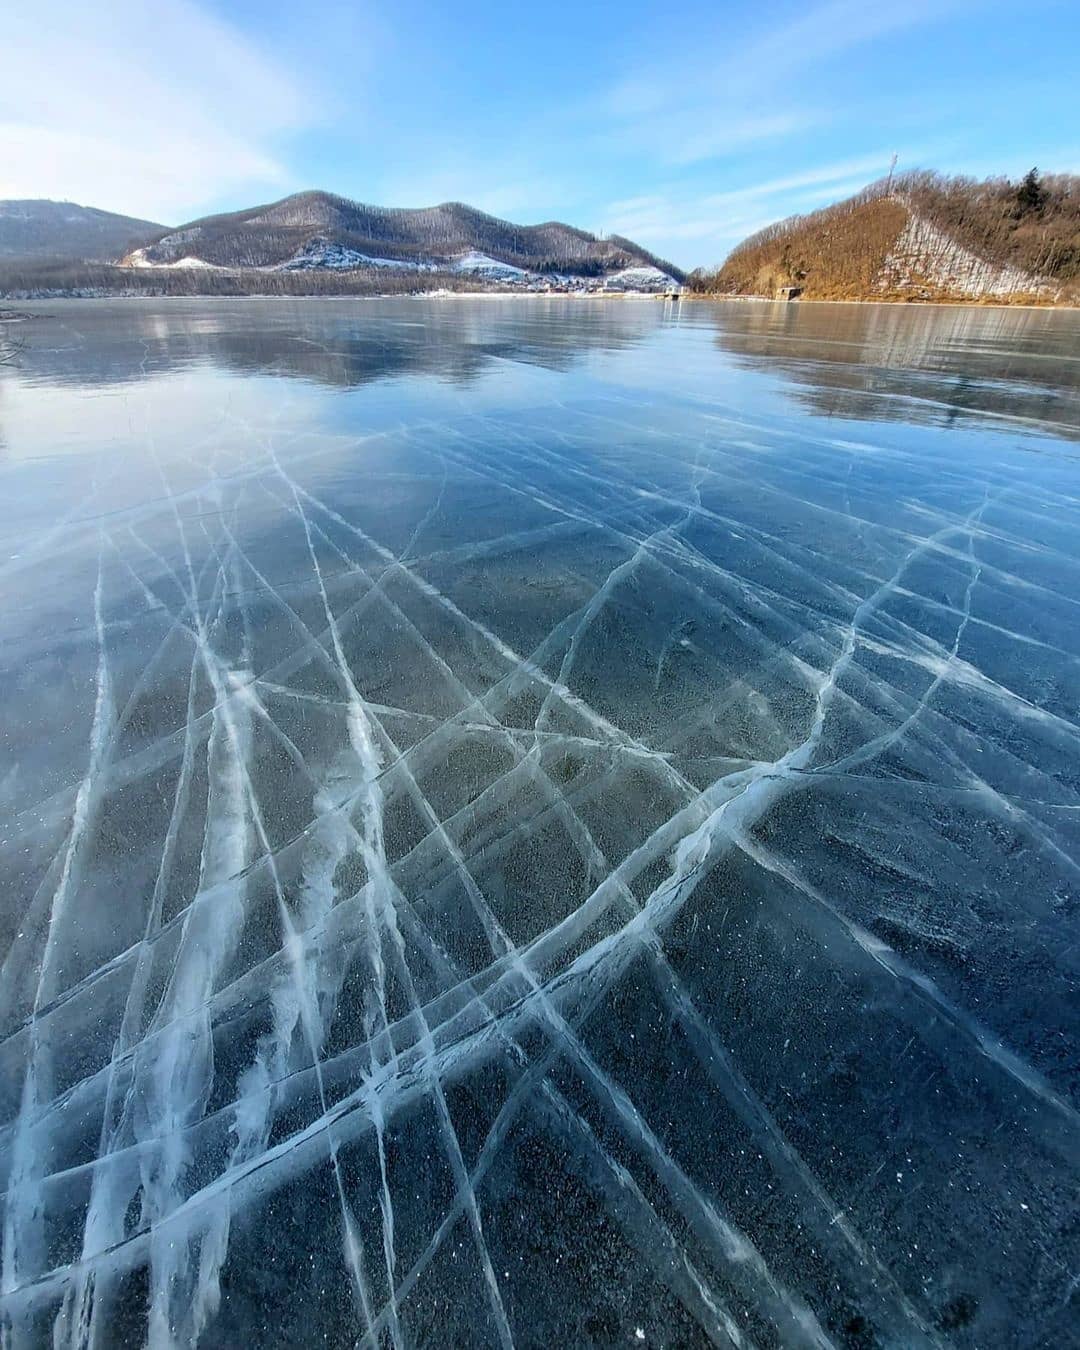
x: 684, y: 125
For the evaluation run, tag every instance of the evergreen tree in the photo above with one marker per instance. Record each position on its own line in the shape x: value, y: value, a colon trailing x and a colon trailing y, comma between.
x: 1031, y: 195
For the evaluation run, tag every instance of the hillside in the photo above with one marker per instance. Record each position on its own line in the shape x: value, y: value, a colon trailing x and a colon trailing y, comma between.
x: 921, y: 236
x: 316, y: 230
x: 44, y: 229
x: 315, y: 243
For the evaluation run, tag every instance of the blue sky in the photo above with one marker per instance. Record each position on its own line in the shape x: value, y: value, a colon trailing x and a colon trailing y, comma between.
x: 685, y: 126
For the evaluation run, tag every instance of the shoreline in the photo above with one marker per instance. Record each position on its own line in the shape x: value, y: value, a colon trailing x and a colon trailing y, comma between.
x: 1050, y: 306
x: 11, y: 316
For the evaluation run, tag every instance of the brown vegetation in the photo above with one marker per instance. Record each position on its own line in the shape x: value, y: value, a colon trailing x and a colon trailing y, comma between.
x: 833, y: 254
x: 840, y: 252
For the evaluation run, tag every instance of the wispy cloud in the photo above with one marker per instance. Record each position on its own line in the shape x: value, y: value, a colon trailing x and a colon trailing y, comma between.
x: 822, y: 32
x: 730, y: 93
x: 714, y: 221
x: 822, y: 176
x: 154, y: 112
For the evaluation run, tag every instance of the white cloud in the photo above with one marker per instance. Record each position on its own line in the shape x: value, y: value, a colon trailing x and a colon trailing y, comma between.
x: 155, y: 111
x: 715, y: 221
x: 867, y: 167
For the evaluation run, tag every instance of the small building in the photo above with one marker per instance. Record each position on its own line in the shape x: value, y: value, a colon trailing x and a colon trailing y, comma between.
x: 788, y: 292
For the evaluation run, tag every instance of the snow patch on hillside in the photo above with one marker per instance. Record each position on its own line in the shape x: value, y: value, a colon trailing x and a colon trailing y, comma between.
x: 641, y: 279
x: 139, y: 259
x: 324, y: 254
x: 480, y: 264
x: 321, y: 254
x: 925, y: 258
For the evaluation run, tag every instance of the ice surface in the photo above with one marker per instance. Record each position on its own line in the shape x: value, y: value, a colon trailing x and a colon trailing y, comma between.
x: 541, y: 823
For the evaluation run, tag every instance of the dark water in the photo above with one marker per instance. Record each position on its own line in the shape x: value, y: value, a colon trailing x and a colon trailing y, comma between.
x: 539, y: 823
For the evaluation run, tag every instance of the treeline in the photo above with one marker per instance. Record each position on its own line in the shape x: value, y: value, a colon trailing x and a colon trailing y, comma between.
x: 1033, y: 224
x: 38, y: 280
x: 843, y: 251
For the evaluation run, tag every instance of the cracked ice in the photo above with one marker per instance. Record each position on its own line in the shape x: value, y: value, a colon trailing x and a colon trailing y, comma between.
x: 528, y: 823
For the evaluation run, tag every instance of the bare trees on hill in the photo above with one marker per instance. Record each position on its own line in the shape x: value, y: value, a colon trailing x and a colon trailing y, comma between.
x: 1033, y: 225
x: 840, y: 252
x: 834, y: 253
x: 268, y: 236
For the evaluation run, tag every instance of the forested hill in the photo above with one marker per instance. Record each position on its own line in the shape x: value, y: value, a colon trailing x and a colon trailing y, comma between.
x: 320, y: 229
x: 921, y: 236
x: 315, y: 243
x: 44, y: 229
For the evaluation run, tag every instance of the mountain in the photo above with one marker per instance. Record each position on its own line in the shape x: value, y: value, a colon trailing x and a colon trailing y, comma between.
x: 319, y: 231
x: 44, y: 229
x: 921, y: 236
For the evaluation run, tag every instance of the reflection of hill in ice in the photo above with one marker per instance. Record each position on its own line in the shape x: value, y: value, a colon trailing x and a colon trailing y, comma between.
x: 334, y: 342
x: 931, y: 364
x: 594, y: 861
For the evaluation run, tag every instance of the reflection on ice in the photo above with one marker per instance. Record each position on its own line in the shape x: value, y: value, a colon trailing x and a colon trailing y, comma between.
x: 932, y: 364
x: 589, y: 857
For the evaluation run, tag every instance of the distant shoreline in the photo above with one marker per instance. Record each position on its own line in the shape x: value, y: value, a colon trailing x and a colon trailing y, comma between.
x: 349, y: 295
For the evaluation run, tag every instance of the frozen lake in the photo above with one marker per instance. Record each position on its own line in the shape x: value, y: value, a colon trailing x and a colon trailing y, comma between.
x: 539, y: 823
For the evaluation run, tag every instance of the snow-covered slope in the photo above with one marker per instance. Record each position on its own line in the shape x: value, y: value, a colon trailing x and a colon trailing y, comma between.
x: 650, y: 279
x: 481, y: 265
x: 319, y: 254
x: 138, y: 258
x: 925, y: 258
